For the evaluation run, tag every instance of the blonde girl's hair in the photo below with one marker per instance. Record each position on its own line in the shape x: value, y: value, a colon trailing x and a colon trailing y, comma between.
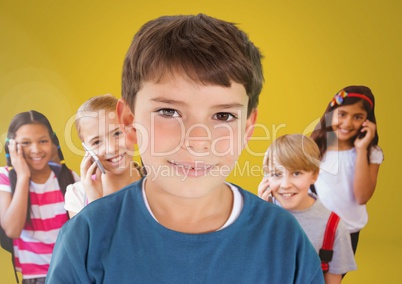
x: 91, y: 108
x: 294, y: 152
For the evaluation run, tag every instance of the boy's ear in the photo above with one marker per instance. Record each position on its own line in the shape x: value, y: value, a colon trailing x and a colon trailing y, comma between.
x: 315, y: 177
x: 126, y: 120
x: 250, y: 125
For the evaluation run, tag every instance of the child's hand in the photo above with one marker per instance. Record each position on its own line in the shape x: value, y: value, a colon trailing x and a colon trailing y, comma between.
x: 18, y: 161
x: 264, y: 191
x: 93, y: 187
x: 368, y: 128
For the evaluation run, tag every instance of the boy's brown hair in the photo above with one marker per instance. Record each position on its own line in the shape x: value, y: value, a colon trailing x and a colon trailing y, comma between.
x: 205, y: 49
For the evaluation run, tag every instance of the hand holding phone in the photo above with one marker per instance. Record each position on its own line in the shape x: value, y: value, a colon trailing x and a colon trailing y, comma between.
x: 264, y: 191
x: 94, y: 158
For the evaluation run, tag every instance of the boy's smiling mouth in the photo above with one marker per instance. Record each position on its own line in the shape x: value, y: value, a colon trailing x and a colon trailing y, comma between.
x: 287, y: 194
x: 185, y: 169
x: 197, y: 166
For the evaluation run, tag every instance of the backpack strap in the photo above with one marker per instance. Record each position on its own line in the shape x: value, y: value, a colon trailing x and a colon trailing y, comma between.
x: 326, y: 251
x: 55, y: 168
x: 15, y: 270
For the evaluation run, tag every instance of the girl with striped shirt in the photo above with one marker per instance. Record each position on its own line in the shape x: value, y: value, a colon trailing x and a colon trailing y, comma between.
x: 31, y: 195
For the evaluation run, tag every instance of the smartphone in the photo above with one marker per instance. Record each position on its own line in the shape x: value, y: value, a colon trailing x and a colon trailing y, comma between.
x: 270, y: 196
x: 361, y: 134
x: 94, y: 158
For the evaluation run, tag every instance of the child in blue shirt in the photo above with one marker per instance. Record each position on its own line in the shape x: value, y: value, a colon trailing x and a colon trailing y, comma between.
x: 190, y: 92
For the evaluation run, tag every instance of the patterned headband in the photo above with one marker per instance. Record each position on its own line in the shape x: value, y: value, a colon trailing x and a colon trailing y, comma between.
x: 339, y: 97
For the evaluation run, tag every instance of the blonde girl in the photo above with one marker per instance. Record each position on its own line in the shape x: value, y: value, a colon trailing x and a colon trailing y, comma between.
x: 99, y: 130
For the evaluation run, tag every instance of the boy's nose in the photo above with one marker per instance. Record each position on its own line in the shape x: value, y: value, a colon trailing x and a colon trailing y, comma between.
x: 198, y: 139
x: 286, y: 182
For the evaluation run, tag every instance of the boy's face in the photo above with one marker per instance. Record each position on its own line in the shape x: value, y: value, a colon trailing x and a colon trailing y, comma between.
x: 291, y: 187
x: 189, y: 135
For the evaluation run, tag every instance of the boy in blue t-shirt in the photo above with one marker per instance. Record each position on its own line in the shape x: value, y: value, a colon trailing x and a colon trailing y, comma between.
x: 190, y: 92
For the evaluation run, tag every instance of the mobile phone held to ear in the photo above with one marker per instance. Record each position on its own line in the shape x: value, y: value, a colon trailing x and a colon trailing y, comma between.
x: 361, y: 134
x: 270, y: 198
x: 94, y: 158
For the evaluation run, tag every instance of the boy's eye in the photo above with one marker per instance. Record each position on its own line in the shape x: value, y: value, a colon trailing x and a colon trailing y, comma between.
x: 297, y: 174
x: 224, y: 116
x: 168, y: 112
x: 277, y: 174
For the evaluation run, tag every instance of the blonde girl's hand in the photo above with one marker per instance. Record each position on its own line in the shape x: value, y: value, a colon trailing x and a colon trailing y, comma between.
x: 92, y: 185
x: 368, y: 128
x: 264, y: 191
x: 18, y: 161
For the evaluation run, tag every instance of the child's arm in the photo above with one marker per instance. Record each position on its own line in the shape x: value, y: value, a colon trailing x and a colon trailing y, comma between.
x: 365, y: 173
x: 332, y: 278
x: 74, y: 200
x: 365, y: 178
x: 13, y: 208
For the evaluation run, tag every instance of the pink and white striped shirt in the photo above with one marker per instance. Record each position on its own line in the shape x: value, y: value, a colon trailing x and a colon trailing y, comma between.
x: 34, y: 247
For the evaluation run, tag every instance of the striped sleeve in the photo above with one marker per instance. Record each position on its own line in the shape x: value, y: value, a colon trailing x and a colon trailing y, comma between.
x: 4, y: 180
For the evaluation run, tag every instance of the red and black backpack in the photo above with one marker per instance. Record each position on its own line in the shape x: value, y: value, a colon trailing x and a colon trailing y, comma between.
x: 326, y: 252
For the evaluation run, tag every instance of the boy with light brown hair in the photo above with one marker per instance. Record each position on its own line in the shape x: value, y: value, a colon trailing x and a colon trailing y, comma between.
x: 291, y: 165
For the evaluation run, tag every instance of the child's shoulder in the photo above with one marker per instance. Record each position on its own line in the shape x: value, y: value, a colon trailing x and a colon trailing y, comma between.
x: 78, y: 186
x: 376, y: 155
x: 4, y: 177
x: 107, y: 210
x: 123, y: 195
x: 4, y: 170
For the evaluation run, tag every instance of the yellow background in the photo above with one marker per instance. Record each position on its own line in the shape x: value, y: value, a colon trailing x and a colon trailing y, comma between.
x: 56, y: 54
